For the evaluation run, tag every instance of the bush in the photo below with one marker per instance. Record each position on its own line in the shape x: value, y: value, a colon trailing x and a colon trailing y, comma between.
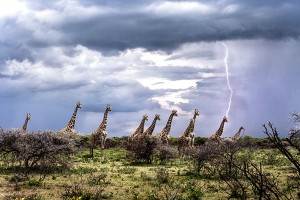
x: 173, y: 141
x: 141, y: 149
x: 35, y: 183
x: 97, y: 179
x: 115, y: 142
x: 34, y: 196
x: 200, y: 141
x: 203, y: 155
x: 43, y: 149
x: 75, y: 191
x: 162, y: 175
x: 127, y: 170
x: 165, y: 153
x: 193, y: 190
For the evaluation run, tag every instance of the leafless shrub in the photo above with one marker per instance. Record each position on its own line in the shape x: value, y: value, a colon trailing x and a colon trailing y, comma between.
x: 294, y: 135
x: 241, y: 175
x: 277, y: 141
x: 263, y: 184
x: 293, y: 140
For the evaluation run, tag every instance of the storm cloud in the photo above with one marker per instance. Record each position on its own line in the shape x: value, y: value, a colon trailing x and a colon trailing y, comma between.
x: 148, y: 57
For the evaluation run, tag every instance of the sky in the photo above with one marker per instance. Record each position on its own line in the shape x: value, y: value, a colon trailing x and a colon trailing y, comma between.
x: 149, y: 57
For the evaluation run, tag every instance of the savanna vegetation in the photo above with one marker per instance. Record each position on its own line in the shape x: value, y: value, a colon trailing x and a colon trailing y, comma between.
x: 50, y: 165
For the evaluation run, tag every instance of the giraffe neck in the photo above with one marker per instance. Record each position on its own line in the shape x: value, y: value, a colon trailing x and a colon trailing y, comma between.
x: 195, y: 115
x: 25, y: 124
x: 221, y: 128
x: 169, y: 123
x: 71, y: 124
x: 150, y: 130
x: 190, y: 128
x: 103, y: 124
x: 193, y: 124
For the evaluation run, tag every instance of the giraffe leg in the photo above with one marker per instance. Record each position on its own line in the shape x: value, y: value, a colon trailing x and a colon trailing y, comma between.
x: 179, y: 148
x: 102, y: 148
x: 92, y: 146
x: 91, y: 151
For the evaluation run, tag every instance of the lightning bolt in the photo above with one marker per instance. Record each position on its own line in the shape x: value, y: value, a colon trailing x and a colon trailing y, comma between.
x: 227, y: 77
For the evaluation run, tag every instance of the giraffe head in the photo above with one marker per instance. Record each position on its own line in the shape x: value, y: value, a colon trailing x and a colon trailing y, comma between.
x: 108, y: 108
x: 157, y: 116
x: 145, y: 117
x: 174, y: 112
x: 78, y: 105
x: 225, y: 119
x: 28, y: 116
x: 242, y: 128
x: 197, y: 113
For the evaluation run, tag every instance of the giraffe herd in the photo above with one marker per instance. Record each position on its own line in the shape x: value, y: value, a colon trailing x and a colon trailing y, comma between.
x: 185, y: 140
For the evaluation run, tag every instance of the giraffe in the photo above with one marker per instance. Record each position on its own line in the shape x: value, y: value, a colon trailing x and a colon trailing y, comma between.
x: 150, y: 130
x: 143, y: 144
x: 164, y: 136
x: 100, y: 134
x: 139, y: 130
x: 28, y: 116
x: 70, y: 128
x: 217, y: 135
x: 192, y: 133
x: 238, y: 134
x: 187, y: 137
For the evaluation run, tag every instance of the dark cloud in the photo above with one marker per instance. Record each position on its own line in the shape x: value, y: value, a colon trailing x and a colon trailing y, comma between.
x: 47, y: 63
x: 119, y: 25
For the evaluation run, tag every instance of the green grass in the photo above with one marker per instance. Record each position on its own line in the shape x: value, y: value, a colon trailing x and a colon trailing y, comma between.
x: 121, y: 180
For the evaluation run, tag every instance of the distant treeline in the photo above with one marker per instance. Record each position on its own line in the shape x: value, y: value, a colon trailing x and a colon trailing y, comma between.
x: 122, y: 141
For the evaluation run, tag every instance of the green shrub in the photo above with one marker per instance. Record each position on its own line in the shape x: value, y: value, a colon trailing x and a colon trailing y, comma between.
x: 97, y: 179
x: 162, y: 175
x: 145, y: 177
x: 84, y: 170
x: 75, y: 191
x: 34, y: 182
x: 34, y: 196
x: 127, y: 170
x: 18, y: 178
x: 173, y: 141
x: 200, y: 140
x: 193, y: 191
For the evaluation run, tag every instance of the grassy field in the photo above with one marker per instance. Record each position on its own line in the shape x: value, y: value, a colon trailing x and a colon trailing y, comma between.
x: 117, y: 178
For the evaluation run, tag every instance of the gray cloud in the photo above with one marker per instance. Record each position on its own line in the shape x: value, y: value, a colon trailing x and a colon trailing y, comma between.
x: 117, y: 25
x: 53, y: 54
